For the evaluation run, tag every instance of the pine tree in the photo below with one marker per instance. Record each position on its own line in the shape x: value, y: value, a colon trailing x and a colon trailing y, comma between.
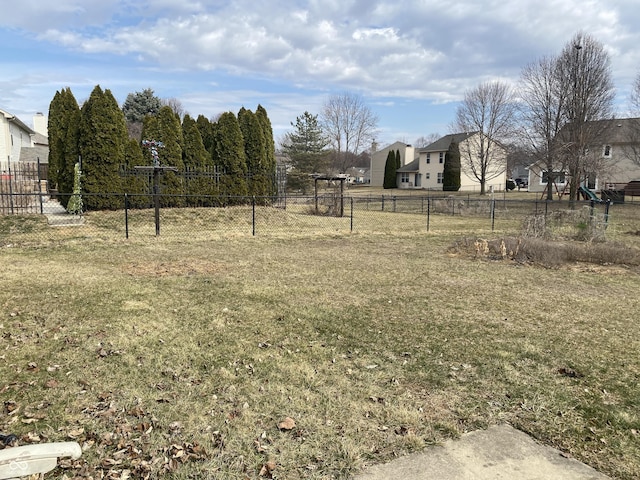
x: 390, y: 168
x: 306, y: 145
x: 452, y: 167
x: 137, y: 106
x: 229, y: 155
x: 102, y: 140
x: 398, y: 159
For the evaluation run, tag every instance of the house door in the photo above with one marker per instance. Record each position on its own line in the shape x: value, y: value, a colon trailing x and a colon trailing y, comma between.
x: 418, y: 182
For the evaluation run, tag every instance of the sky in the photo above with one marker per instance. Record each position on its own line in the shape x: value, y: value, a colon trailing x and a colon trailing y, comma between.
x: 410, y: 61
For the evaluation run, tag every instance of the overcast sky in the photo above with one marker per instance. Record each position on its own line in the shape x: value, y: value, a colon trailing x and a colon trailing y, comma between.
x: 410, y: 60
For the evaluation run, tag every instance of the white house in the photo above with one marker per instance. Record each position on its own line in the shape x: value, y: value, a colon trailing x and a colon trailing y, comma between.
x: 426, y: 169
x: 20, y: 143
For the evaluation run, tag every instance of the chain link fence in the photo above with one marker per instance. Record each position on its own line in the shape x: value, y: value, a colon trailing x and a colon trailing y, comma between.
x: 45, y: 220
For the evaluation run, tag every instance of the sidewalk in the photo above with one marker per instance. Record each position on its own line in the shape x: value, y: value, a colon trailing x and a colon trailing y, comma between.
x: 57, y: 216
x: 501, y: 452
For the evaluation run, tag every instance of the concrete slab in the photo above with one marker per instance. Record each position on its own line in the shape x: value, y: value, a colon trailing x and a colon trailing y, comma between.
x: 500, y: 452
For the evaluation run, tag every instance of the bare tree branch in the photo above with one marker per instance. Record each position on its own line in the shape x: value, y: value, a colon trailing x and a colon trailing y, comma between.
x: 489, y: 112
x: 350, y: 125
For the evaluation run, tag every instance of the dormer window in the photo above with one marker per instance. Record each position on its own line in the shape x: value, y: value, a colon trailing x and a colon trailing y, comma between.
x: 606, y: 151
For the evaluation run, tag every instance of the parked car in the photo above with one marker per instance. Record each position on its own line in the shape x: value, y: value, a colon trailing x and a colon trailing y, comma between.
x: 521, y: 182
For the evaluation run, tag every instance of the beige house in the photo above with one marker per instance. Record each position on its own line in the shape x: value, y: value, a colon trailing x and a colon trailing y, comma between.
x: 426, y: 169
x: 610, y: 163
x: 379, y: 159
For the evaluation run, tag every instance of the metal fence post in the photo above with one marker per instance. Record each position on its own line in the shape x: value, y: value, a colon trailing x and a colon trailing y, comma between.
x: 493, y: 214
x: 428, y: 212
x: 253, y: 215
x: 351, y: 214
x: 10, y: 188
x: 126, y: 216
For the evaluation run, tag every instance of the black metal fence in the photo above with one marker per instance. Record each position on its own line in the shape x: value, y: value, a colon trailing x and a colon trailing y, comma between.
x: 21, y: 188
x: 34, y: 217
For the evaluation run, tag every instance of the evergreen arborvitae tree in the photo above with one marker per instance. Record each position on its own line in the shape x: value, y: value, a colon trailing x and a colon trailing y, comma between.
x: 74, y: 206
x: 196, y: 159
x: 229, y: 155
x: 390, y: 169
x: 63, y: 123
x: 135, y: 185
x: 398, y: 159
x: 67, y: 173
x: 451, y: 173
x: 102, y: 140
x: 255, y: 153
x: 206, y: 132
x: 165, y: 127
x: 269, y: 165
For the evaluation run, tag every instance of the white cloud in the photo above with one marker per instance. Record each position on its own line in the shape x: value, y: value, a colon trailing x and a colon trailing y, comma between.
x: 417, y: 49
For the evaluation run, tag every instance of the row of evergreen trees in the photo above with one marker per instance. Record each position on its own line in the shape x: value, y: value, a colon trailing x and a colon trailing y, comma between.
x: 233, y: 157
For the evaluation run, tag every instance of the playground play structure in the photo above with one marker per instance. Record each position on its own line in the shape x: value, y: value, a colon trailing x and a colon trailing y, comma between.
x: 614, y: 192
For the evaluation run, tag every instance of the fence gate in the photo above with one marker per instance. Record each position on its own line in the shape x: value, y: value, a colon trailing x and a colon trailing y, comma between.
x: 21, y: 188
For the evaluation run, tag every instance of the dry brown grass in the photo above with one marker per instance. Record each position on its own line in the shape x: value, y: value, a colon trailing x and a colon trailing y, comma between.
x: 179, y: 357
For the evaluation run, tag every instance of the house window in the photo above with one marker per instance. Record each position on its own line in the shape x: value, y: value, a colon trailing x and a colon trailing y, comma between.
x: 440, y: 174
x: 428, y: 158
x: 441, y: 159
x: 558, y: 177
x: 404, y: 178
x: 606, y: 151
x: 427, y: 175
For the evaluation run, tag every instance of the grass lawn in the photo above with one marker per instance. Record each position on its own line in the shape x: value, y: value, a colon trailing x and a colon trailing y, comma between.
x: 309, y: 356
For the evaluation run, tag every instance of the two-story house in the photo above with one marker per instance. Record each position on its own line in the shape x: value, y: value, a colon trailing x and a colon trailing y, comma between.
x: 426, y: 170
x: 610, y: 162
x: 19, y: 142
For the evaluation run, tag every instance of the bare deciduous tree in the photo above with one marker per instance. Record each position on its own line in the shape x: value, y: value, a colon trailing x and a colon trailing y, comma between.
x: 585, y: 75
x: 425, y: 141
x: 632, y: 149
x: 488, y: 112
x: 563, y: 99
x: 543, y: 102
x: 175, y: 105
x: 635, y: 97
x: 350, y: 125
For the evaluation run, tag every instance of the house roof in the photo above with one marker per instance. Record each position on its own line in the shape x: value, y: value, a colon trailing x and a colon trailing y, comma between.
x: 620, y: 130
x: 13, y: 119
x: 34, y: 154
x: 610, y: 131
x: 443, y: 143
x: 410, y: 167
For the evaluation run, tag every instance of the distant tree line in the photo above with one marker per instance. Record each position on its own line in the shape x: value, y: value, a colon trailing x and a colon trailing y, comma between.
x: 232, y: 157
